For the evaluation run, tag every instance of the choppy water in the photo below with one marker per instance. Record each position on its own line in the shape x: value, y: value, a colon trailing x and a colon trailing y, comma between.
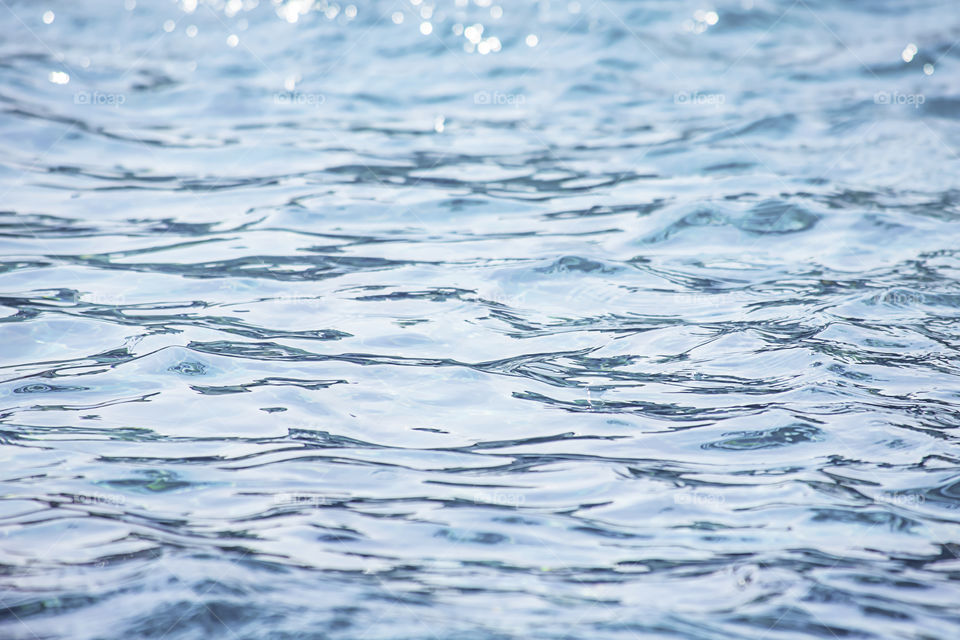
x: 611, y: 320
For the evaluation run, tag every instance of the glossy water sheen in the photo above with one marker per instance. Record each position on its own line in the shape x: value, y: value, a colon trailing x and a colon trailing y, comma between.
x: 348, y: 331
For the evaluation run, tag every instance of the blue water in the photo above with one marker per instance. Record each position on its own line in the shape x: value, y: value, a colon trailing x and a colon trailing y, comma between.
x: 447, y: 319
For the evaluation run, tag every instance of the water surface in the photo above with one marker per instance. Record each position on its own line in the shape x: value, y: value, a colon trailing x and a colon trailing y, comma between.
x: 442, y: 319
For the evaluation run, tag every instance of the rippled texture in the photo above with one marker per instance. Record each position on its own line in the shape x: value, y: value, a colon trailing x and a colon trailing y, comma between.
x: 320, y: 322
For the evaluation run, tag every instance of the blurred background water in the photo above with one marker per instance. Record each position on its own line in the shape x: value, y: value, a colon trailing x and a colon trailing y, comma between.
x: 450, y: 319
